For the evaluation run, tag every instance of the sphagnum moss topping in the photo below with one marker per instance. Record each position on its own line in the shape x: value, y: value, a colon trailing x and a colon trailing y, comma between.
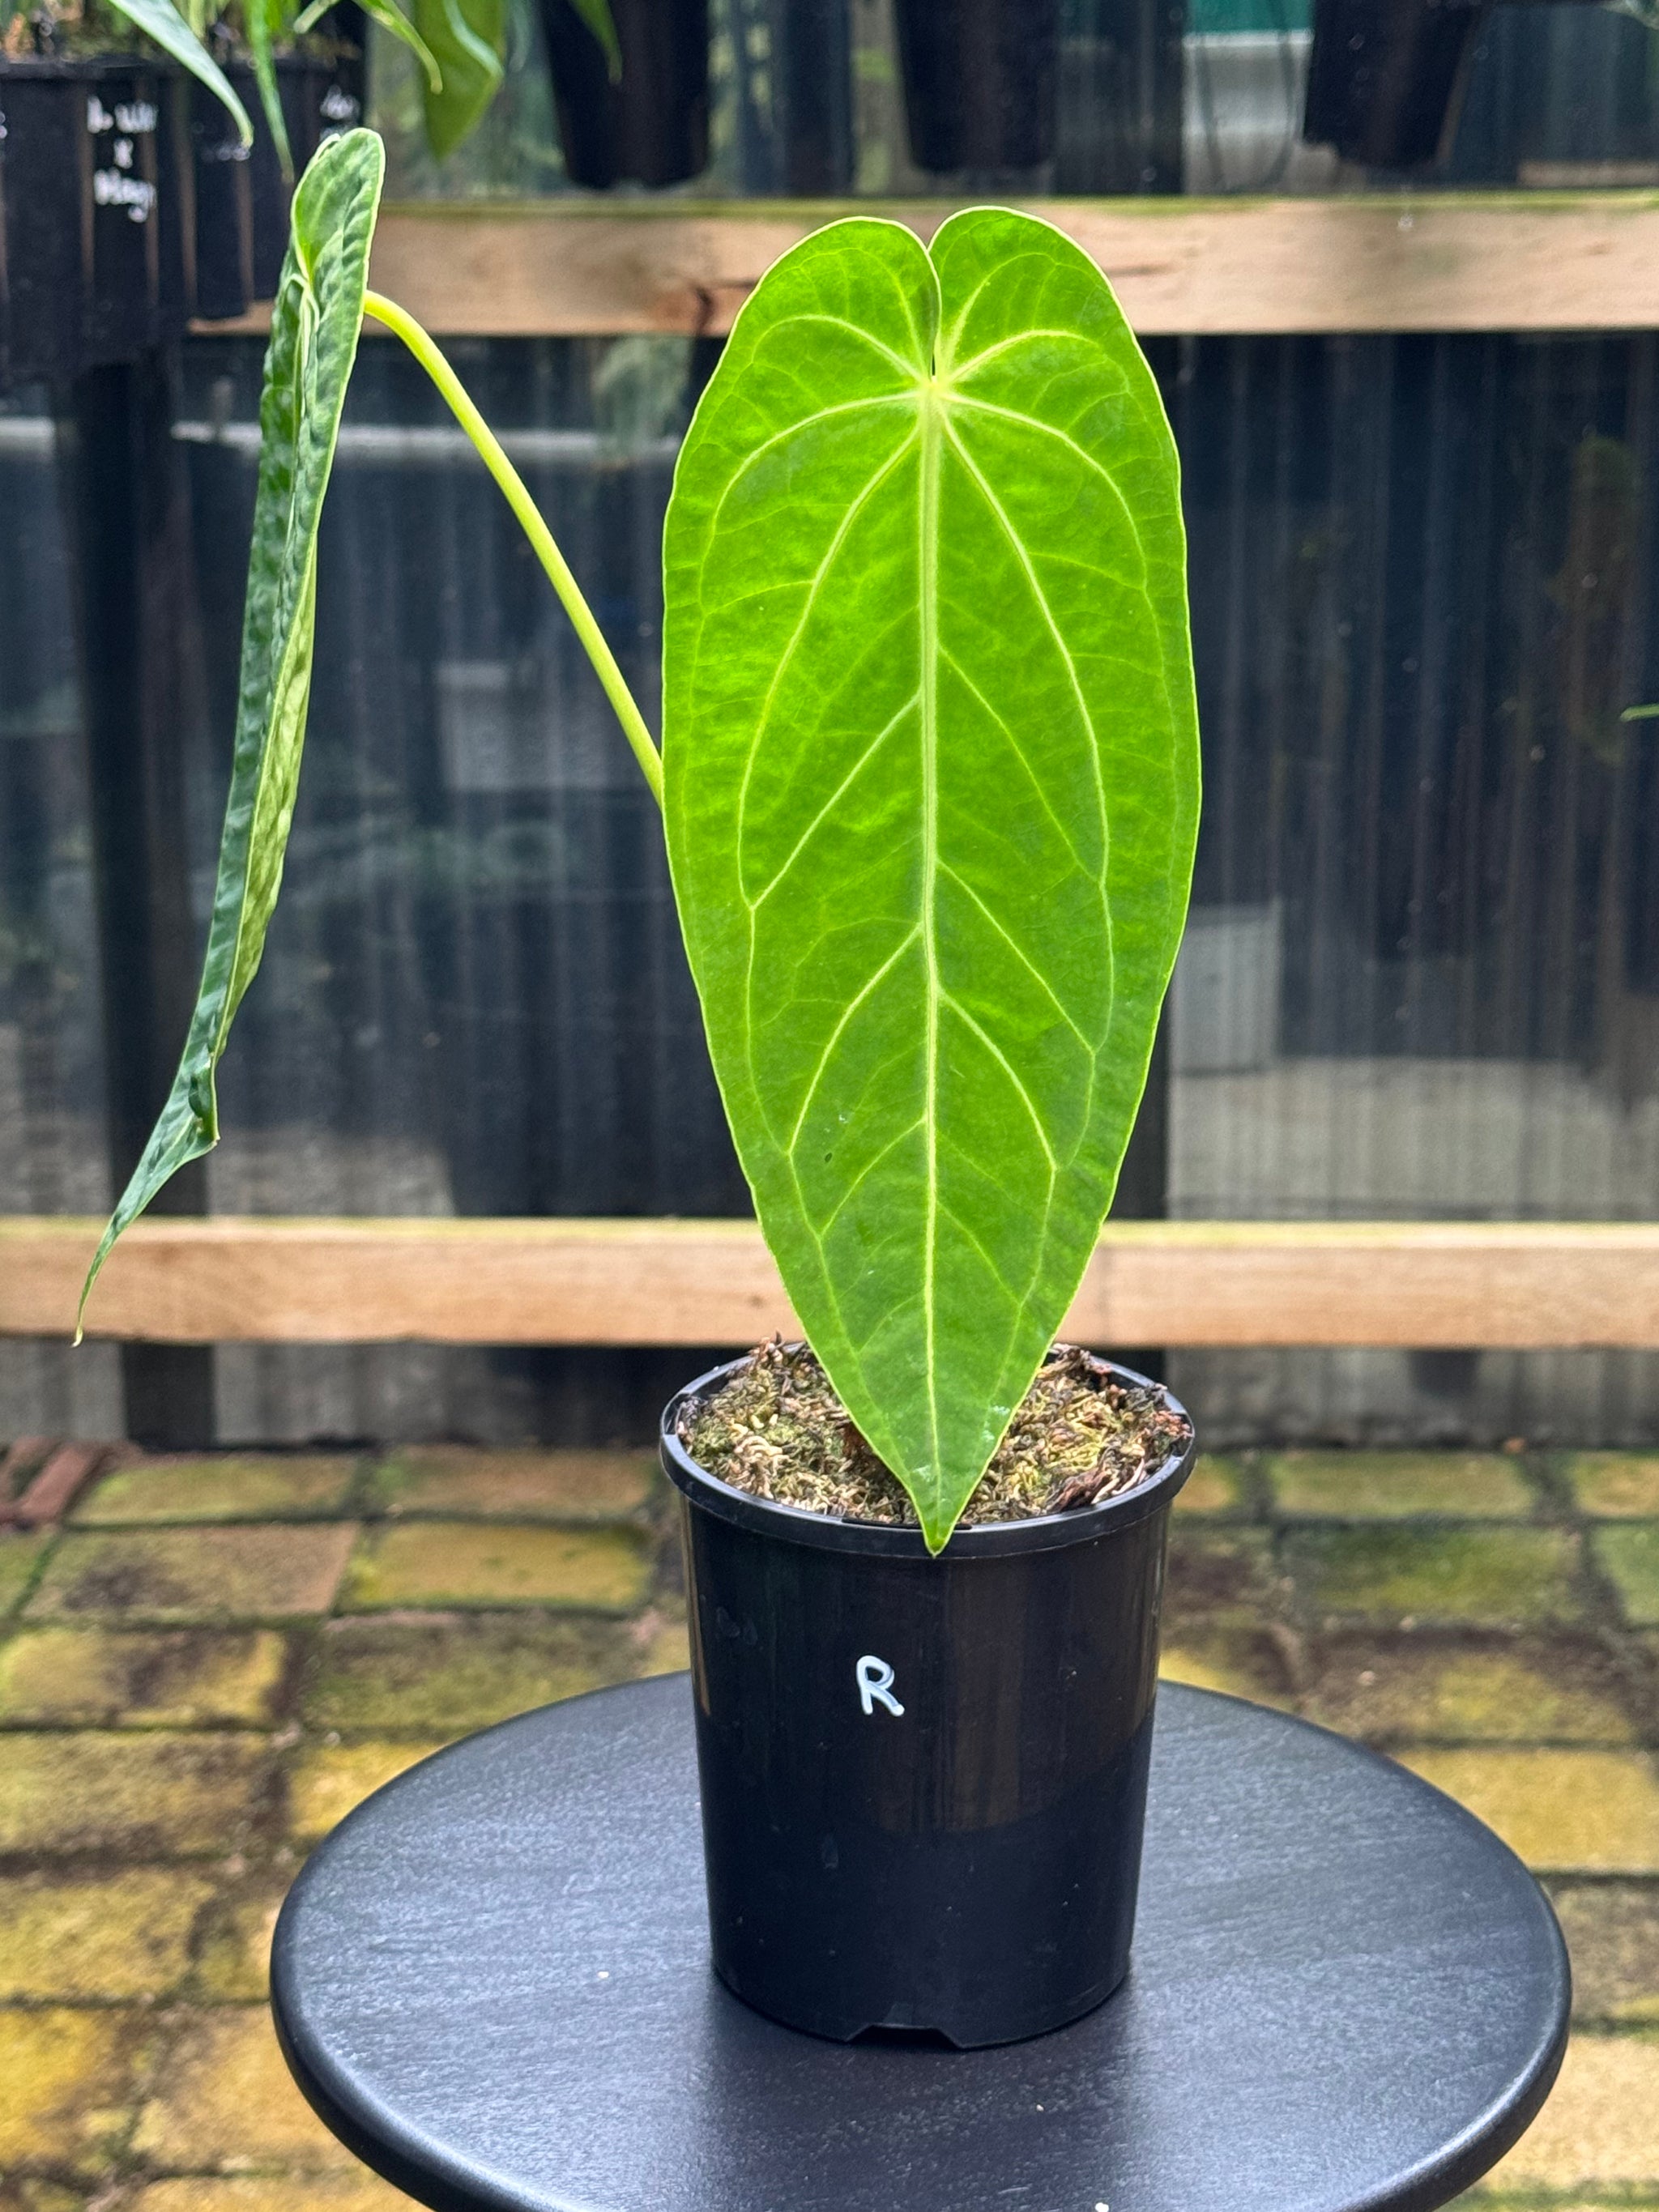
x: 779, y: 1430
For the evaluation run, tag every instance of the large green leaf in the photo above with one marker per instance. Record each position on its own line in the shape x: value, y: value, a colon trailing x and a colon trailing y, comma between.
x: 467, y: 38
x: 313, y: 342
x: 931, y: 771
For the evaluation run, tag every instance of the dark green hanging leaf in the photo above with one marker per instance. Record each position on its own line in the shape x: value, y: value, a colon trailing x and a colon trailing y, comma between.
x: 261, y: 19
x: 313, y: 342
x: 930, y: 769
x: 467, y: 39
x: 596, y: 14
x: 160, y: 21
x: 389, y: 18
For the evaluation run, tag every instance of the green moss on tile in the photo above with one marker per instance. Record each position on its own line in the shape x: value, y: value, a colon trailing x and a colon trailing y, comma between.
x: 662, y: 1645
x: 440, y: 1675
x: 233, y: 1952
x: 360, y: 2192
x: 208, y: 1574
x: 1460, y: 1689
x: 143, y: 1677
x: 221, y: 1487
x: 1614, y: 1486
x: 1216, y: 1487
x: 34, y: 2192
x: 1242, y: 1662
x: 1612, y: 1929
x: 1395, y: 1486
x: 445, y: 1563
x: 333, y: 1779
x: 1485, y: 1577
x: 136, y: 1796
x: 1595, y: 2137
x: 69, y: 2081
x: 21, y: 1556
x: 1628, y: 1555
x: 1564, y: 1811
x: 227, y: 2099
x: 454, y: 1484
x: 99, y: 1938
x: 1217, y: 1576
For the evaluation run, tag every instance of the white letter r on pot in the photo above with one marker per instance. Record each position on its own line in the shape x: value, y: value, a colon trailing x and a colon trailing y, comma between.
x: 875, y: 1679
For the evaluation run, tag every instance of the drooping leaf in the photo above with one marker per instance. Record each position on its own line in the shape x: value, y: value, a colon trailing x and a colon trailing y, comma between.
x: 160, y: 21
x: 313, y: 342
x: 467, y: 39
x: 260, y: 19
x: 931, y: 771
x: 389, y: 18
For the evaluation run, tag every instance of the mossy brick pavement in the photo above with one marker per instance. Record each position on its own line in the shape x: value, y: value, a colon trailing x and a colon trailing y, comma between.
x: 215, y: 1659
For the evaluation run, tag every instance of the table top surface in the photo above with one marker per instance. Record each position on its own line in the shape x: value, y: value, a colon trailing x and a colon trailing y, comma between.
x: 492, y: 1981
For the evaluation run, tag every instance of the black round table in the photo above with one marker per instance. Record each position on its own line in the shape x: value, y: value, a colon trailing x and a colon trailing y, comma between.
x: 492, y: 1982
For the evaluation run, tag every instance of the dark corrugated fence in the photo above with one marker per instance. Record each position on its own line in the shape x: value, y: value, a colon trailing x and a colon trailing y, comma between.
x: 1423, y: 974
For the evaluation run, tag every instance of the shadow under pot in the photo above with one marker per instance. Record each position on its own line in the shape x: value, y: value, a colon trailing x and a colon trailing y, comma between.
x: 924, y: 1780
x: 651, y: 126
x: 980, y: 81
x: 241, y: 195
x: 83, y: 261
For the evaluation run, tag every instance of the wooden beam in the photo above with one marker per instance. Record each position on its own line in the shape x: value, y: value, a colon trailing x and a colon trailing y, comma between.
x: 713, y: 1282
x: 1503, y: 261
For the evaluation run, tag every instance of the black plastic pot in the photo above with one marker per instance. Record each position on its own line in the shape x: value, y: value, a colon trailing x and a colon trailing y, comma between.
x: 979, y: 79
x: 923, y: 1780
x: 652, y: 126
x: 1386, y: 78
x: 793, y: 104
x: 82, y: 280
x: 241, y: 198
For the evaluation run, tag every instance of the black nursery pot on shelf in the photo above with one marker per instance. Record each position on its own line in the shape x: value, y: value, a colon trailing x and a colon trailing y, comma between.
x: 241, y: 197
x: 86, y: 276
x: 924, y: 1780
x: 651, y: 127
x: 980, y: 81
x: 1386, y: 77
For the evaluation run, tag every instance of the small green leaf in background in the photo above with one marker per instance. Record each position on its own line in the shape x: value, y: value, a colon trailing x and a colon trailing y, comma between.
x: 313, y: 342
x: 467, y: 39
x: 389, y: 18
x: 931, y: 774
x: 160, y: 21
x: 596, y: 14
x: 262, y: 20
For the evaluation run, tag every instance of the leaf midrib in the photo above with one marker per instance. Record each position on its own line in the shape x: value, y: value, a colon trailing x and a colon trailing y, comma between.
x: 930, y: 429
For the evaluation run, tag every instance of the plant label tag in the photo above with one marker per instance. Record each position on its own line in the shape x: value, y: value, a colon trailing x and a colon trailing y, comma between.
x: 875, y: 1681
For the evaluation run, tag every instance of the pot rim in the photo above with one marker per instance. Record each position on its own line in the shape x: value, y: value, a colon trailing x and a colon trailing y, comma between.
x: 797, y: 1524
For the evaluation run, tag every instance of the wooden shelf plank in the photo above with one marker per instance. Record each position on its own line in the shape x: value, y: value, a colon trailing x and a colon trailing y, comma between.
x: 1496, y: 261
x: 265, y: 1280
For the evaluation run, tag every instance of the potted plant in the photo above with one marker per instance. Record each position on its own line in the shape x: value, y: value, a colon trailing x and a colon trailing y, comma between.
x: 301, y: 85
x: 92, y: 265
x: 930, y: 784
x: 980, y: 81
x: 631, y: 87
x: 1386, y: 79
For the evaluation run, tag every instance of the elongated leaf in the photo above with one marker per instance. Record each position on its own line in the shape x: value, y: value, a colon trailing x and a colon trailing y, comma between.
x: 467, y: 39
x: 313, y: 343
x: 160, y: 21
x: 931, y: 772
